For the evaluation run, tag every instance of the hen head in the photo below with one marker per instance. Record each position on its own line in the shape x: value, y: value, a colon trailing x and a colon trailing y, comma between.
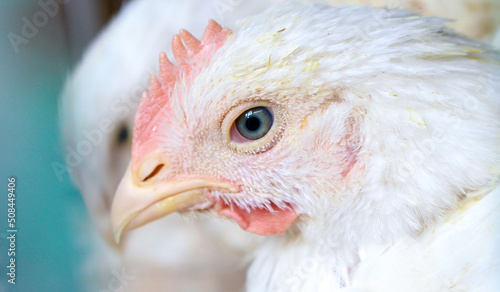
x: 360, y: 121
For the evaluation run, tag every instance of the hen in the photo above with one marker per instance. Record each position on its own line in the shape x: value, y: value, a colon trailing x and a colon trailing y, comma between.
x: 366, y: 140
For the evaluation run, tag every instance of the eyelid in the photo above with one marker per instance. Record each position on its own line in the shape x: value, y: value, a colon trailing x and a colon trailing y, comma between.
x: 253, y: 146
x: 235, y: 135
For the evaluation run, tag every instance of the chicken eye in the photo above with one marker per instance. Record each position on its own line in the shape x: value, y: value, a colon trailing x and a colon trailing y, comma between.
x: 122, y: 136
x: 254, y: 123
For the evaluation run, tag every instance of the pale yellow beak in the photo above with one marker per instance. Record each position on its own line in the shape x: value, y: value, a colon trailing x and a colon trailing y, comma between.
x: 138, y: 203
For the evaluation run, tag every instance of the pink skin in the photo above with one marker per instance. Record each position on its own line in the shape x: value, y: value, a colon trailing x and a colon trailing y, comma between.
x: 260, y: 221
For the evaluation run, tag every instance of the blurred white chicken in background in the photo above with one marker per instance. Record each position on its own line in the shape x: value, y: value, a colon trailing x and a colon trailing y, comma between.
x: 98, y: 105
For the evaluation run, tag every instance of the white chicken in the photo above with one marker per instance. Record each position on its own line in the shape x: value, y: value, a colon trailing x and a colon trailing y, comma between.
x: 367, y: 141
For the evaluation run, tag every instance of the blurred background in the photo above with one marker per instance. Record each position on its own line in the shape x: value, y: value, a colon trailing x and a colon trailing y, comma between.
x: 38, y: 48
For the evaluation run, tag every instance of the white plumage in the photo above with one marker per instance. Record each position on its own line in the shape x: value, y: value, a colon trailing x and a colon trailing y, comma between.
x: 385, y: 143
x: 423, y: 215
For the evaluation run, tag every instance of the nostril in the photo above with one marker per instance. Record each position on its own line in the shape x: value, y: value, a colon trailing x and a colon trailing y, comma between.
x: 154, y: 172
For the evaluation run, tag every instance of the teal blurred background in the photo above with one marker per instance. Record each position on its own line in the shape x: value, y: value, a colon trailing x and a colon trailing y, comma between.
x: 49, y: 255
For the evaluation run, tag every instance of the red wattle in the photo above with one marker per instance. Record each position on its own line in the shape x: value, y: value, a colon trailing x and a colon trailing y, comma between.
x: 261, y: 221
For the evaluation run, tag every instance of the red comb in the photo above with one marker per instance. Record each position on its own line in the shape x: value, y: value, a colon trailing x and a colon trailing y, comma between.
x: 191, y: 55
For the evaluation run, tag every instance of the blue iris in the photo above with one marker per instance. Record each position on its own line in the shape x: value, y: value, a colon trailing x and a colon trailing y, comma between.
x: 254, y: 123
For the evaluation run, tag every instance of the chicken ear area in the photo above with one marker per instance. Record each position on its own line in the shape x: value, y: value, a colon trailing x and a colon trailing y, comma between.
x: 261, y: 221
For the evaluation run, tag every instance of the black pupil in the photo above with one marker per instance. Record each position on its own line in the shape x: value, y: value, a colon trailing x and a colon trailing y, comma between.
x: 252, y: 124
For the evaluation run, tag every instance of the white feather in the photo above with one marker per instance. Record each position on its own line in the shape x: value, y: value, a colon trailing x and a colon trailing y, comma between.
x: 418, y: 106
